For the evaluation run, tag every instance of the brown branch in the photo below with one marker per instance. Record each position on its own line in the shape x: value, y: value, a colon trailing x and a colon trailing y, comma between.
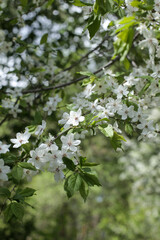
x: 71, y: 82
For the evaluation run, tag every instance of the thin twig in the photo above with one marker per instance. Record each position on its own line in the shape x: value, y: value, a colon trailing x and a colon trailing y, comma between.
x: 71, y: 82
x: 4, y: 119
x: 83, y: 57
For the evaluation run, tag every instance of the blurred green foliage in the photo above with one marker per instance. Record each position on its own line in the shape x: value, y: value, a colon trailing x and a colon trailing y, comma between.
x: 114, y: 211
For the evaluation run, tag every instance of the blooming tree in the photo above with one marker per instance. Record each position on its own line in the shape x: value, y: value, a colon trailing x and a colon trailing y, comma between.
x: 114, y: 94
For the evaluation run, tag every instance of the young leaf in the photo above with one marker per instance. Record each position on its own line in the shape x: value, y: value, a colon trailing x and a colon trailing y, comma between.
x: 27, y: 192
x: 27, y: 166
x: 21, y: 49
x: 24, y: 2
x: 108, y: 131
x: 17, y: 173
x: 4, y: 192
x: 90, y: 178
x: 44, y: 38
x: 8, y: 213
x: 81, y: 3
x: 93, y: 25
x: 129, y: 129
x: 90, y: 164
x: 85, y: 73
x: 72, y: 184
x: 17, y: 210
x: 49, y: 3
x: 116, y: 140
x: 37, y: 118
x: 84, y: 190
x: 21, y: 194
x: 69, y: 163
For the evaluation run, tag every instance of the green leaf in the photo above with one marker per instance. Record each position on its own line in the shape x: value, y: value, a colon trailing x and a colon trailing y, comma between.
x: 37, y: 118
x: 21, y: 49
x: 17, y: 210
x: 93, y: 25
x: 81, y: 3
x: 23, y: 103
x: 24, y: 2
x: 84, y: 190
x: 125, y: 20
x: 135, y: 3
x: 27, y: 166
x: 90, y: 178
x: 147, y: 85
x: 126, y: 64
x: 85, y: 73
x: 32, y: 128
x: 8, y: 213
x: 129, y: 129
x: 37, y: 69
x: 149, y: 78
x: 44, y: 38
x: 72, y: 184
x: 90, y: 164
x: 124, y: 42
x: 21, y: 194
x: 27, y: 147
x: 17, y: 173
x: 116, y: 140
x: 87, y: 164
x: 49, y: 3
x: 103, y: 6
x: 5, y: 192
x: 157, y: 94
x: 69, y: 163
x: 66, y: 188
x: 27, y: 192
x: 9, y: 158
x: 108, y: 131
x: 82, y: 160
x: 91, y: 79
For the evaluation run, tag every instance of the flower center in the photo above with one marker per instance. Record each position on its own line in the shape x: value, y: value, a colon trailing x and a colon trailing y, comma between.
x: 37, y: 158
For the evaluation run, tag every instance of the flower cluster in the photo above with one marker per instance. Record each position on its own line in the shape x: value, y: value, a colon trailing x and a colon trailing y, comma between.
x: 51, y: 104
x: 48, y: 156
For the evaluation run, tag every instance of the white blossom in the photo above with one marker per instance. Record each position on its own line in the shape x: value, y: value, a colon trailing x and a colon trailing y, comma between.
x: 64, y: 120
x: 146, y: 126
x: 121, y: 91
x: 21, y: 138
x: 69, y: 143
x: 4, y: 147
x: 3, y: 171
x: 75, y: 118
x: 126, y: 112
x: 40, y: 128
x: 38, y: 158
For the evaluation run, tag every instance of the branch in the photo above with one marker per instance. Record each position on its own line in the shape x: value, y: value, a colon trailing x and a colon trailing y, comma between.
x: 4, y: 119
x: 83, y: 57
x: 71, y: 82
